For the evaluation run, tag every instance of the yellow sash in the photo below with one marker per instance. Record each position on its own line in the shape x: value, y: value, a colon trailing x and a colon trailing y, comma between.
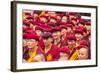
x: 45, y: 49
x: 33, y: 55
x: 74, y: 55
x: 59, y: 45
x: 49, y: 56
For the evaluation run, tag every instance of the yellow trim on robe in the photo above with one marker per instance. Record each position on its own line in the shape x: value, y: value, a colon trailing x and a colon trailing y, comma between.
x: 45, y: 49
x: 49, y: 57
x: 74, y: 55
x: 33, y: 54
x: 59, y: 45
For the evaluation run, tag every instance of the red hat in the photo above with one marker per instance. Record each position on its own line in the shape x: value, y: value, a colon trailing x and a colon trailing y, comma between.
x: 60, y: 14
x: 57, y: 28
x: 28, y: 13
x: 62, y: 23
x: 69, y: 24
x: 53, y: 17
x: 29, y: 17
x: 81, y: 46
x: 52, y: 24
x: 30, y: 36
x: 82, y: 21
x: 74, y: 19
x: 80, y: 29
x: 65, y: 50
x: 72, y: 13
x: 25, y: 28
x: 45, y: 28
x: 88, y: 23
x: 78, y: 47
x: 38, y: 23
x: 71, y: 36
x: 47, y: 35
x: 32, y: 22
x: 63, y: 26
x: 38, y: 28
x: 84, y: 43
x: 25, y: 22
x: 44, y: 16
x: 30, y: 31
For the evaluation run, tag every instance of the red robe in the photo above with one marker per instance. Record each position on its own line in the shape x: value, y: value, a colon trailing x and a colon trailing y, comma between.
x: 41, y: 43
x: 52, y: 54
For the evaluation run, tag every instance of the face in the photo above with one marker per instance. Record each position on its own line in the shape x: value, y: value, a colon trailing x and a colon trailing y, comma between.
x: 39, y: 32
x: 88, y: 27
x: 64, y: 19
x: 69, y: 29
x: 58, y: 18
x: 63, y: 31
x: 58, y: 34
x: 80, y: 24
x: 51, y: 13
x: 53, y: 20
x: 35, y: 15
x: 71, y: 42
x: 32, y: 26
x: 25, y: 16
x: 39, y: 58
x: 63, y: 56
x: 74, y: 22
x: 54, y: 35
x: 78, y: 36
x: 71, y: 16
x: 32, y: 43
x: 43, y: 19
x: 48, y: 41
x: 24, y: 42
x: 83, y: 54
